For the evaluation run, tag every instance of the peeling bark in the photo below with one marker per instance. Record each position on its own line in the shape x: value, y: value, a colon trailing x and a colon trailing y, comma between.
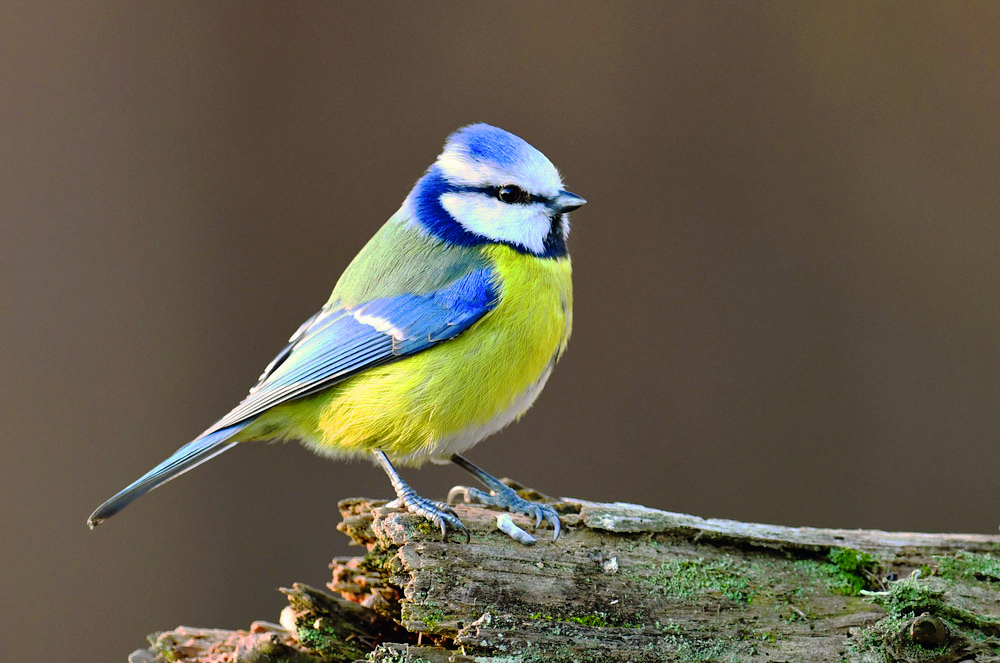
x: 626, y: 583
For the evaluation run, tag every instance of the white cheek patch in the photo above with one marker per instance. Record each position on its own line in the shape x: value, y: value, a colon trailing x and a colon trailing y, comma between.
x: 526, y: 225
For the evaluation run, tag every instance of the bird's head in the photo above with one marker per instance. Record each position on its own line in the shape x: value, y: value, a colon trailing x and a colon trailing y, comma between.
x: 489, y: 186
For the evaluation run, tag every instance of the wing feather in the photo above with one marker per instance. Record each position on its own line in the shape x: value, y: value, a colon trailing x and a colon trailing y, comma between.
x: 339, y: 342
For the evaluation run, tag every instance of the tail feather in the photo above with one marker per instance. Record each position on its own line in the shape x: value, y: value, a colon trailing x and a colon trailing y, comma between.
x: 191, y: 455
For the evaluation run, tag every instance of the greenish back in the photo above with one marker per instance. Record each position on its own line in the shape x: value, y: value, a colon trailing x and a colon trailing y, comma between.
x: 401, y: 258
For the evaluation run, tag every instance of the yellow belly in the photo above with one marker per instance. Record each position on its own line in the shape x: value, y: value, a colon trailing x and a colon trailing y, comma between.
x: 447, y: 398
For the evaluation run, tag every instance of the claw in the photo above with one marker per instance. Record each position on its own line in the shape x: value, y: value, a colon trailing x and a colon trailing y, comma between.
x: 438, y: 513
x: 556, y: 525
x: 503, y: 496
x: 446, y: 517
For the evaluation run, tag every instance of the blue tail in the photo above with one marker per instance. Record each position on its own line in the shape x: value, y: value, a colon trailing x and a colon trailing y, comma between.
x: 192, y: 454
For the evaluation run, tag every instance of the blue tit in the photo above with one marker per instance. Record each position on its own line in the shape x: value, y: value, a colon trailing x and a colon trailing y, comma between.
x: 440, y: 332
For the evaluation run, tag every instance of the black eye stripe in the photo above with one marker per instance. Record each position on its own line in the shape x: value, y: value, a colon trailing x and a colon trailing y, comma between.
x: 494, y: 192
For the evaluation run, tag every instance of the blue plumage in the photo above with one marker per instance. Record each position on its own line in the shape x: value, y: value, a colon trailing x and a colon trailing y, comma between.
x: 421, y: 320
x: 487, y: 143
x: 426, y: 201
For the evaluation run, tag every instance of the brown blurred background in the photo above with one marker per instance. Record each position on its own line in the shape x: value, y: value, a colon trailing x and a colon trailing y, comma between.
x: 787, y: 278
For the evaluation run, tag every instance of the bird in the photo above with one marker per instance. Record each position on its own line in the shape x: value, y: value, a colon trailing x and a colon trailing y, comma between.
x: 441, y: 331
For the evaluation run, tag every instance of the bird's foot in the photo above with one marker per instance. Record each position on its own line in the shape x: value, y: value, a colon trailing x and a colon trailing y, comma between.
x: 503, y: 496
x: 506, y: 498
x: 439, y: 513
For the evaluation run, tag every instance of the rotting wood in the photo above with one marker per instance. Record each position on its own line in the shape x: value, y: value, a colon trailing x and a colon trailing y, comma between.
x: 626, y: 583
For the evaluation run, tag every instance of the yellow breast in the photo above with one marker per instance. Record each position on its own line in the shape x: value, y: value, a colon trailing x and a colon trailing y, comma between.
x: 447, y: 398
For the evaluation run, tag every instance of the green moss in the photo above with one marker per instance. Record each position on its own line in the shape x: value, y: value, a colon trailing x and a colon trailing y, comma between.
x: 381, y: 559
x: 432, y: 617
x: 600, y: 620
x: 588, y: 620
x: 161, y: 647
x: 394, y: 654
x: 324, y: 641
x: 844, y: 570
x: 970, y: 566
x: 428, y: 614
x: 909, y: 596
x: 888, y: 639
x: 686, y: 578
x: 915, y: 596
x: 855, y: 570
x: 426, y: 528
x: 711, y: 649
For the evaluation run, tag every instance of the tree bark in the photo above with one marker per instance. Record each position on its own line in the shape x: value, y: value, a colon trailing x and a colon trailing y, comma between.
x: 626, y: 583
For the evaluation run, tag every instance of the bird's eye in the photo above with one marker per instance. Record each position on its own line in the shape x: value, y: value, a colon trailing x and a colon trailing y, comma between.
x: 512, y: 194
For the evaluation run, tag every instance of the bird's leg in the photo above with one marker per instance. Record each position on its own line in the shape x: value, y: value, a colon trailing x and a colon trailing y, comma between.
x: 438, y: 513
x: 501, y: 495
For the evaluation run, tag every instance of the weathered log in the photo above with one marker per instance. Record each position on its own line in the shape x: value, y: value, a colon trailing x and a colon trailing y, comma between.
x: 627, y: 583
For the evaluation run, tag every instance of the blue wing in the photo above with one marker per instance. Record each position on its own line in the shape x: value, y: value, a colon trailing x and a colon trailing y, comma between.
x: 339, y: 342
